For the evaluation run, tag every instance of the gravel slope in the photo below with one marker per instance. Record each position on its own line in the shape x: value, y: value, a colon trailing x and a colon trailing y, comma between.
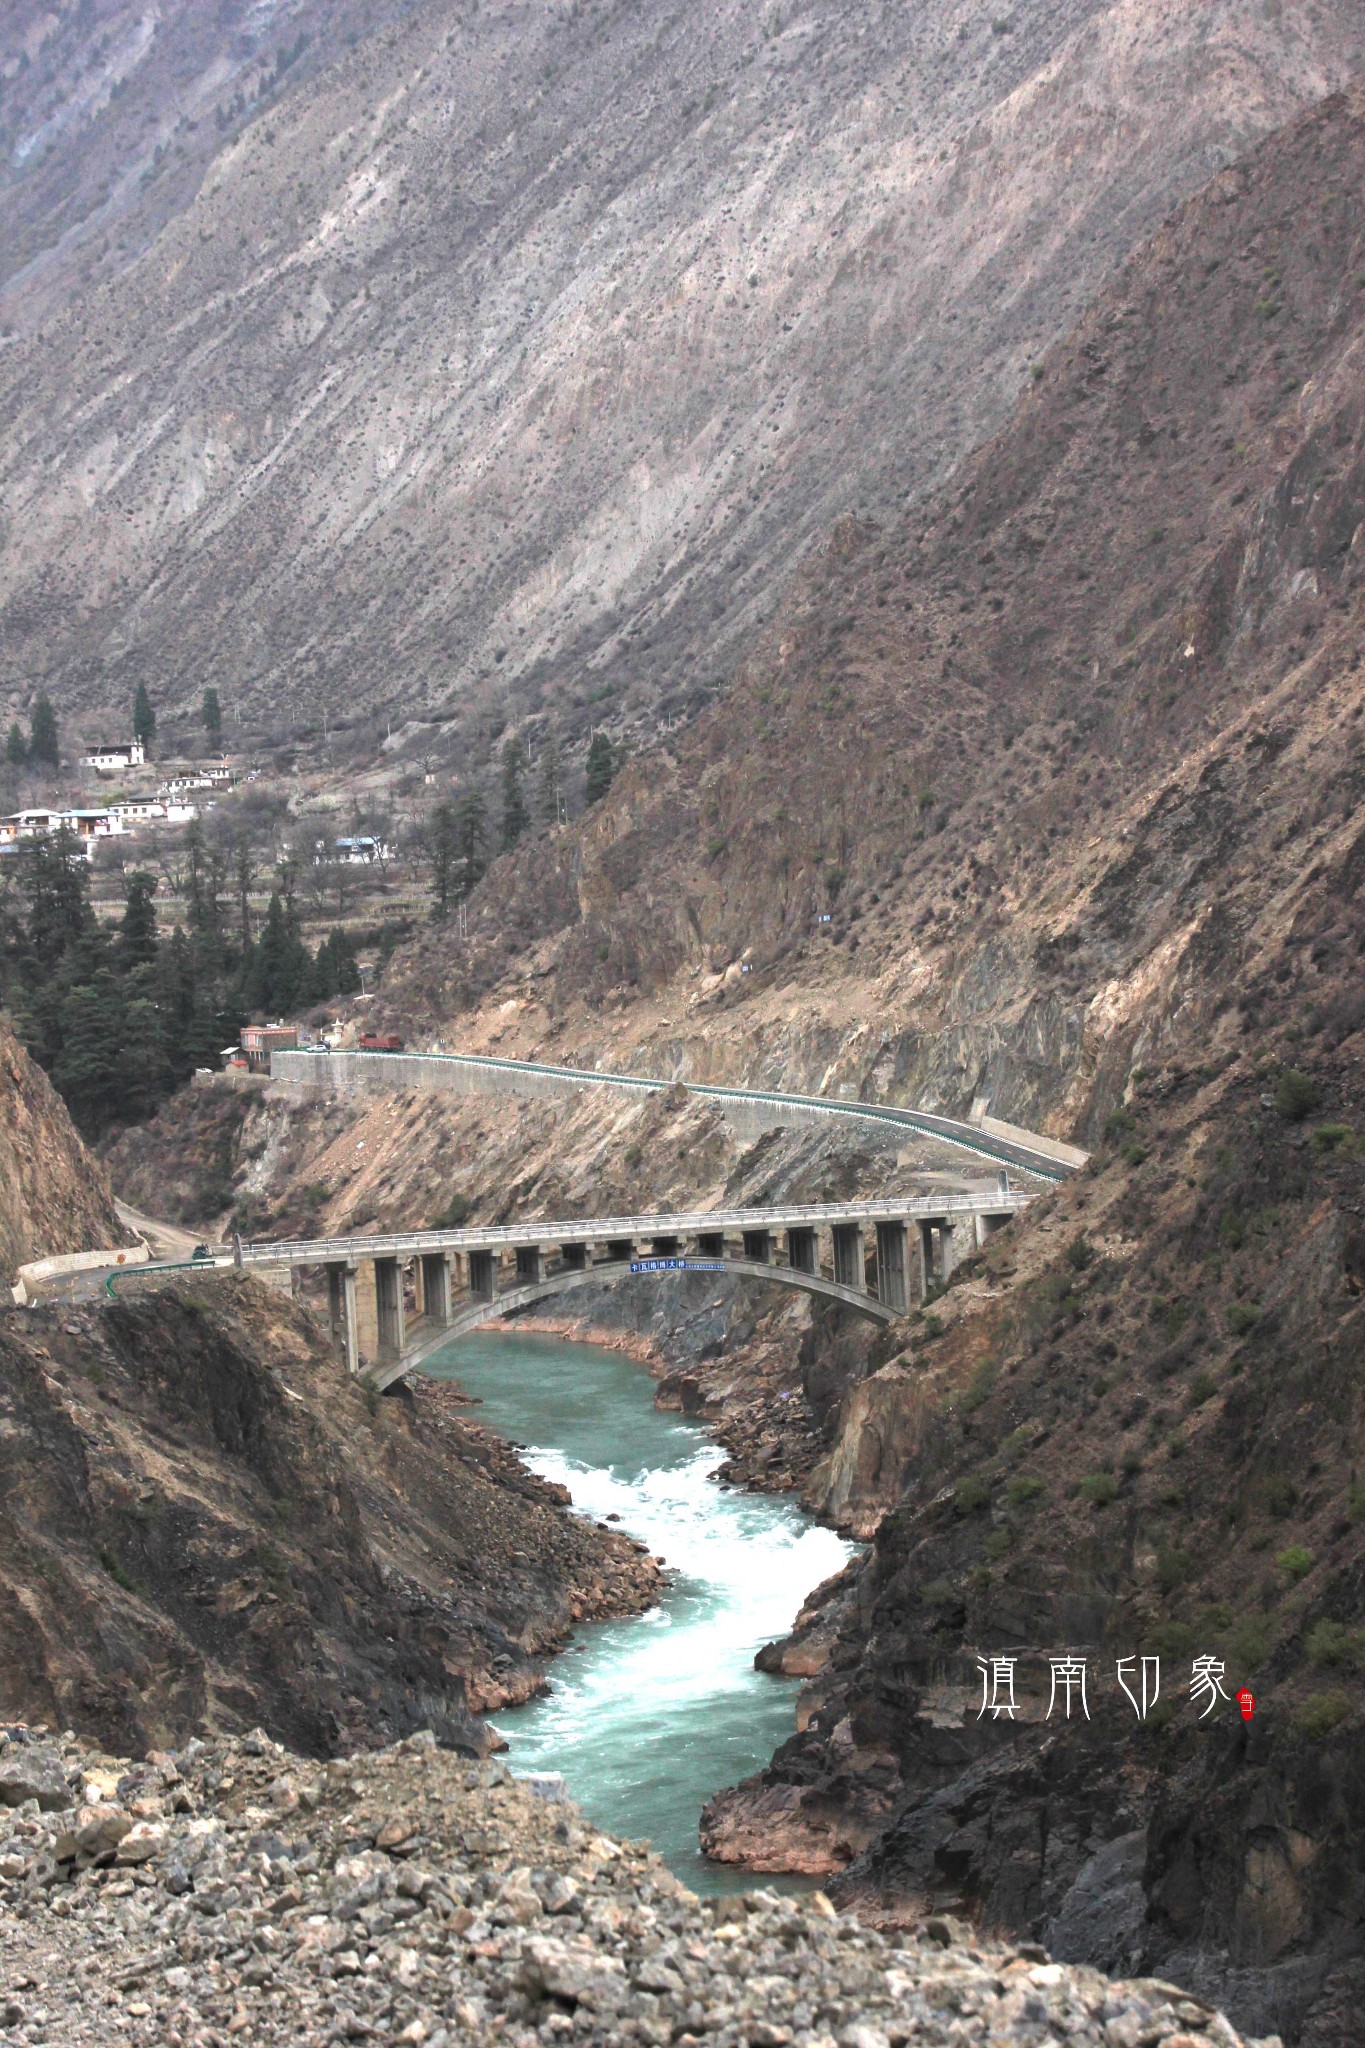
x: 237, y: 1893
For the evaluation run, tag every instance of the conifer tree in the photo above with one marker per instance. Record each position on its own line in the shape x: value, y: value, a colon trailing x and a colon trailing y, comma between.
x: 472, y: 835
x: 514, y: 815
x: 601, y: 768
x: 549, y: 790
x: 444, y: 843
x: 213, y: 719
x: 137, y: 932
x: 16, y: 746
x: 144, y: 717
x: 44, y: 748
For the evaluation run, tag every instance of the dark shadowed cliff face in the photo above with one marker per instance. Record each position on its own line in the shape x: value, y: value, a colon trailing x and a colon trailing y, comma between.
x: 54, y: 1197
x: 204, y: 1523
x: 514, y: 356
x: 1134, y: 1425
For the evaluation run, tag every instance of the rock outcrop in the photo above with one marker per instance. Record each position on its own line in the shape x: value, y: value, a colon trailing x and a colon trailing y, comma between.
x: 54, y: 1197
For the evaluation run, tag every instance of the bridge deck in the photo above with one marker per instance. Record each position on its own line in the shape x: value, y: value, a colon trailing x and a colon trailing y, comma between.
x: 322, y: 1251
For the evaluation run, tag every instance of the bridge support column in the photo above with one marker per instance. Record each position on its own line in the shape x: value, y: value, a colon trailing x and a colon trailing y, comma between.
x: 575, y: 1257
x: 711, y: 1244
x: 849, y: 1263
x: 530, y: 1265
x: 435, y: 1272
x: 341, y: 1313
x: 803, y: 1251
x: 366, y: 1313
x: 986, y: 1226
x: 926, y: 1259
x: 893, y: 1289
x: 388, y: 1295
x: 758, y: 1247
x: 950, y: 1251
x: 483, y: 1275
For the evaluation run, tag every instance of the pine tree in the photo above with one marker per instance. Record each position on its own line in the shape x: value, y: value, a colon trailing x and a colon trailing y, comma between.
x: 601, y: 768
x: 244, y: 874
x: 213, y: 719
x: 514, y: 814
x: 89, y: 1070
x: 16, y: 746
x: 279, y: 974
x: 56, y: 883
x: 443, y: 835
x: 549, y: 785
x: 472, y: 834
x: 144, y: 718
x: 137, y: 932
x: 44, y: 747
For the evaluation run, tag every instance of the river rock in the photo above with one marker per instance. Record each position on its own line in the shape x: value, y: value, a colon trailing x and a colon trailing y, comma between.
x: 33, y: 1772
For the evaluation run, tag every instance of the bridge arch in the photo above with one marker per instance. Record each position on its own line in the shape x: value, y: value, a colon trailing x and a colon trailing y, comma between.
x: 473, y: 1315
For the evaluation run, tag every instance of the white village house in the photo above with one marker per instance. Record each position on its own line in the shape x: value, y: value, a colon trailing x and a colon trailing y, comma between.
x: 114, y: 759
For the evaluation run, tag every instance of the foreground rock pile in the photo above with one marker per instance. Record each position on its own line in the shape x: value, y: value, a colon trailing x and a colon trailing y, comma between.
x: 236, y: 1893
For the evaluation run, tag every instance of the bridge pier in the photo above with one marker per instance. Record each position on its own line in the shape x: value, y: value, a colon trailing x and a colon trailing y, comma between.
x: 483, y: 1275
x: 849, y: 1261
x: 389, y: 1316
x: 341, y: 1312
x: 530, y: 1265
x: 434, y: 1269
x: 366, y: 1313
x: 758, y: 1247
x: 803, y: 1251
x: 893, y: 1249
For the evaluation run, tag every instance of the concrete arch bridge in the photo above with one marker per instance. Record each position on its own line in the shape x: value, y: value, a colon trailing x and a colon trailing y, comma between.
x: 396, y: 1299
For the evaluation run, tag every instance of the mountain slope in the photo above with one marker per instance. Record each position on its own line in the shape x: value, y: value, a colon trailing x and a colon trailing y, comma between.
x: 1056, y: 758
x: 511, y: 358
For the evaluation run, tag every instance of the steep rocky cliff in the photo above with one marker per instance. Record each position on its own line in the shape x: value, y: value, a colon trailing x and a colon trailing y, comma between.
x: 205, y: 1524
x: 507, y: 361
x: 54, y: 1197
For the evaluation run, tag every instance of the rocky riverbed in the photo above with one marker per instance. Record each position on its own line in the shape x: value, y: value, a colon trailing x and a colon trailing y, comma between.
x: 232, y: 1891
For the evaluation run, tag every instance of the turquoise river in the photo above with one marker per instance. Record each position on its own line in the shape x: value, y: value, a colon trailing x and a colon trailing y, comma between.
x: 648, y: 1716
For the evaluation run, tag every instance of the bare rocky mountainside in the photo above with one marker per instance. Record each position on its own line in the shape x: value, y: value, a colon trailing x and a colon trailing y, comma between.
x: 498, y: 361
